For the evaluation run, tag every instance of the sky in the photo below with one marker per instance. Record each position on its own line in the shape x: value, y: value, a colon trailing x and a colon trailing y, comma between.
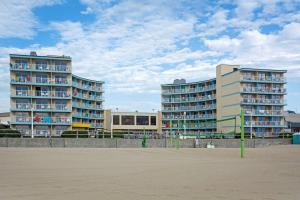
x: 136, y: 45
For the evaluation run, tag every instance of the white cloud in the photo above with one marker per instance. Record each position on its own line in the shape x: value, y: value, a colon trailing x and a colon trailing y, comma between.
x: 17, y: 19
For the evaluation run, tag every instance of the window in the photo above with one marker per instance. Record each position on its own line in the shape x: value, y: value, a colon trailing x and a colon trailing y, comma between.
x: 127, y: 120
x: 153, y: 120
x: 60, y: 66
x: 42, y: 78
x: 142, y: 120
x: 41, y: 65
x: 116, y: 119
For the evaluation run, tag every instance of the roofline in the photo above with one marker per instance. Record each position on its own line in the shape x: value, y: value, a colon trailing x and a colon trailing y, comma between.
x: 190, y: 83
x: 86, y: 79
x: 258, y: 69
x: 49, y: 57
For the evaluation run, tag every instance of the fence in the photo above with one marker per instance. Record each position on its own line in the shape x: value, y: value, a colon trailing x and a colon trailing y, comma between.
x: 136, y: 143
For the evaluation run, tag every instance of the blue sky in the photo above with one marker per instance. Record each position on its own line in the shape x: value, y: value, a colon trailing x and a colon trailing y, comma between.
x: 135, y: 45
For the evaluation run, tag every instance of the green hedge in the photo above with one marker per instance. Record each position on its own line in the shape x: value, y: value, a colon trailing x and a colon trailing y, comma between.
x: 73, y: 134
x: 9, y: 133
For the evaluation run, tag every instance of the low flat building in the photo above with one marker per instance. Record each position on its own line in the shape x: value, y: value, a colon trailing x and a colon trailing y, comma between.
x: 5, y: 118
x: 132, y: 123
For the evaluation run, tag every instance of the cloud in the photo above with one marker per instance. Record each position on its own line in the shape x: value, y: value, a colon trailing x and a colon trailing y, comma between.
x: 17, y: 19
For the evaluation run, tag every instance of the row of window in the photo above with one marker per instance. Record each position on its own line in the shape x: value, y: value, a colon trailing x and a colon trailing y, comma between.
x: 130, y: 120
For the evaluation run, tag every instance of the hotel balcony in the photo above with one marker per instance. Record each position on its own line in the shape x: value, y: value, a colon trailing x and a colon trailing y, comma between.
x: 41, y: 107
x: 264, y: 90
x: 40, y: 68
x: 264, y: 112
x: 87, y: 87
x: 88, y: 97
x: 203, y: 125
x: 96, y: 125
x: 39, y: 81
x: 42, y: 120
x: 87, y: 106
x: 41, y: 94
x: 264, y: 124
x: 189, y: 108
x: 184, y: 91
x: 87, y: 115
x: 266, y: 79
x: 190, y: 99
x: 189, y: 117
x: 263, y: 101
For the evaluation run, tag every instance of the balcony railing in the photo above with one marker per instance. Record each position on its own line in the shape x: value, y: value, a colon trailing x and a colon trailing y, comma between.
x: 262, y: 101
x: 27, y: 106
x: 96, y: 125
x: 190, y: 99
x: 263, y: 112
x: 264, y: 123
x: 86, y: 106
x: 33, y: 80
x: 188, y: 117
x: 193, y: 126
x: 40, y: 67
x: 92, y: 97
x: 42, y: 120
x: 264, y: 79
x: 200, y: 89
x: 87, y: 115
x: 187, y: 108
x: 264, y: 90
x: 87, y: 87
x: 24, y: 93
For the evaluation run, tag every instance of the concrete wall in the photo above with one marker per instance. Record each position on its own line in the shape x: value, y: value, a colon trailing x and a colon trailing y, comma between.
x: 135, y: 143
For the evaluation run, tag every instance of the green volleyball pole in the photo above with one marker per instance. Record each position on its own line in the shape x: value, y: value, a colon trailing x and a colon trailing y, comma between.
x: 242, y: 134
x: 171, y: 134
x: 177, y: 136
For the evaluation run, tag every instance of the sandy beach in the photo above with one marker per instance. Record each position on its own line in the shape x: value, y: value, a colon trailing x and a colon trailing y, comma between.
x: 127, y: 174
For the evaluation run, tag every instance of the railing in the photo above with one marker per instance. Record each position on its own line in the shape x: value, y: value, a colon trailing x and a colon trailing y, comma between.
x: 264, y: 90
x: 96, y: 125
x: 183, y: 108
x: 263, y: 112
x: 187, y: 117
x: 267, y: 78
x: 82, y: 105
x: 42, y: 120
x: 199, y: 89
x: 36, y: 93
x: 27, y: 106
x: 87, y: 115
x: 61, y: 107
x: 193, y: 126
x: 87, y: 87
x: 92, y: 97
x: 34, y: 80
x: 262, y: 101
x: 22, y: 93
x: 208, y: 97
x: 264, y: 123
x: 40, y: 67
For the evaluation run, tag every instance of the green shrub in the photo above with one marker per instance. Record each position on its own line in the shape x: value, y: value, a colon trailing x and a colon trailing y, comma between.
x: 9, y: 133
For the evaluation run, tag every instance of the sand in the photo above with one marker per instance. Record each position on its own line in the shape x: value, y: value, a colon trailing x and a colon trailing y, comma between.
x: 39, y: 173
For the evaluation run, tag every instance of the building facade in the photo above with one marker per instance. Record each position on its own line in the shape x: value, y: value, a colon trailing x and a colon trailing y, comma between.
x: 133, y: 123
x: 189, y: 108
x: 87, y: 103
x: 259, y: 92
x: 42, y: 95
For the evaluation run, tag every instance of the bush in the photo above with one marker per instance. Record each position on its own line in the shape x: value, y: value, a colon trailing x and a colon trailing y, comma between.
x: 73, y: 134
x: 9, y: 133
